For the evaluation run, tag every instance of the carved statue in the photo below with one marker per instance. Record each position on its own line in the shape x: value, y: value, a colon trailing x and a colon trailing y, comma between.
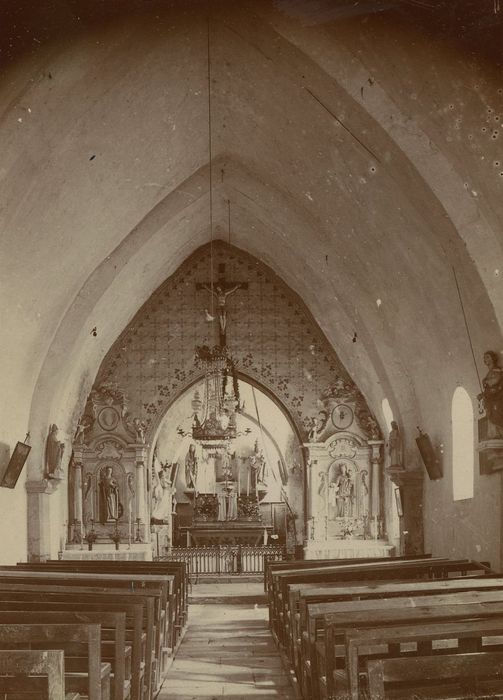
x: 342, y: 493
x: 363, y: 495
x: 395, y: 445
x: 491, y: 398
x: 318, y: 425
x: 139, y: 429
x: 84, y: 424
x: 53, y: 453
x: 258, y: 465
x: 162, y: 503
x: 110, y: 506
x: 88, y: 485
x: 227, y: 504
x: 191, y: 467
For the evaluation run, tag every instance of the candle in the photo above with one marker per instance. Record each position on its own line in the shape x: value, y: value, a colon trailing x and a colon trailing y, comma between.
x: 248, y: 484
x: 239, y: 480
x: 130, y: 523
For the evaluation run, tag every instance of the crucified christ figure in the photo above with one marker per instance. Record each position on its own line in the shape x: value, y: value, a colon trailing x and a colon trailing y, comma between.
x: 220, y: 292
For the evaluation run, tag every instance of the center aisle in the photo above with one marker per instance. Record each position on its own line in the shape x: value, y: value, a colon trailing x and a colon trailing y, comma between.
x: 228, y: 650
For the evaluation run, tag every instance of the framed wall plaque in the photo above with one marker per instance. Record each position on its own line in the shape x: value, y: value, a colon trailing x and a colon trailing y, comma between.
x: 15, y: 466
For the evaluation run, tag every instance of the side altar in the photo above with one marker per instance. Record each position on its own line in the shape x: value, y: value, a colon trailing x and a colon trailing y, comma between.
x: 345, y: 509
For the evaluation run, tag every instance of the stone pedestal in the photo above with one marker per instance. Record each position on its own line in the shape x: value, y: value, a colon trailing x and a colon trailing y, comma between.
x: 410, y: 483
x: 39, y: 517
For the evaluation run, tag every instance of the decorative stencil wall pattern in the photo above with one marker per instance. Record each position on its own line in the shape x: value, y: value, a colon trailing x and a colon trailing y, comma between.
x: 270, y: 334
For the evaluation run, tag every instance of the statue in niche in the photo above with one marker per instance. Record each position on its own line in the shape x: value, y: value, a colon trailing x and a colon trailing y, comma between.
x: 395, y: 445
x: 491, y: 398
x: 363, y: 495
x: 110, y: 507
x: 191, y: 464
x: 341, y: 493
x: 323, y: 483
x: 53, y: 454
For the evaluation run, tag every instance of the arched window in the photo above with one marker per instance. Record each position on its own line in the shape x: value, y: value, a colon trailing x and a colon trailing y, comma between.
x: 387, y: 413
x: 463, y: 446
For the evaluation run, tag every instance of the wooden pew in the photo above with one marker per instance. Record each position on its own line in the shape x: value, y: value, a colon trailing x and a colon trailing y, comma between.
x: 320, y: 614
x: 301, y: 597
x: 299, y: 564
x: 459, y: 676
x: 469, y: 636
x: 139, y: 609
x: 281, y: 578
x: 179, y: 607
x: 114, y: 651
x: 91, y: 678
x: 177, y: 610
x: 339, y: 624
x: 32, y: 671
x: 158, y: 586
x: 284, y: 567
x: 429, y: 569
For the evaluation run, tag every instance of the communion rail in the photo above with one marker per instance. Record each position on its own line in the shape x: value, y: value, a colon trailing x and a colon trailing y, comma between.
x: 226, y: 560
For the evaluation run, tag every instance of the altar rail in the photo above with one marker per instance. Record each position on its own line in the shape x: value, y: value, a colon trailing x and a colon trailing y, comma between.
x: 226, y: 560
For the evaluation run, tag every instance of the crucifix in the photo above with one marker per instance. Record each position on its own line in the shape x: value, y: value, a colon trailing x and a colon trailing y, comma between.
x: 221, y: 290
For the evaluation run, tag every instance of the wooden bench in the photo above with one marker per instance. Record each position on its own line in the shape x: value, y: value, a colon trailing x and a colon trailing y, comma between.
x: 431, y: 568
x: 337, y: 626
x: 308, y: 598
x: 158, y: 586
x: 178, y: 569
x: 139, y: 609
x: 35, y: 673
x: 81, y: 643
x: 426, y: 638
x: 113, y: 639
x: 458, y: 676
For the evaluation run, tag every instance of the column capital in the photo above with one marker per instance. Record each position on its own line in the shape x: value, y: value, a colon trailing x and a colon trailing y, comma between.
x: 46, y: 486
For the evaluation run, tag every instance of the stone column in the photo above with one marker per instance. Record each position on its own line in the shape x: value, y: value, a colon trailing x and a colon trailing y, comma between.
x: 376, y: 460
x: 314, y: 453
x: 410, y: 483
x: 77, y: 494
x: 141, y: 496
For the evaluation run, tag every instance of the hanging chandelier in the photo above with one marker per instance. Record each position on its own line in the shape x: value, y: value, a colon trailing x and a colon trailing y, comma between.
x: 214, y: 414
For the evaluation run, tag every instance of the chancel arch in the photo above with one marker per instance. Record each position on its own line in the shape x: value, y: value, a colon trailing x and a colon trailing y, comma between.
x: 225, y: 322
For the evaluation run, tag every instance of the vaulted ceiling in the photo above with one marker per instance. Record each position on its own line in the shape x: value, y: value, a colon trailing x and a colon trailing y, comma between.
x: 357, y: 152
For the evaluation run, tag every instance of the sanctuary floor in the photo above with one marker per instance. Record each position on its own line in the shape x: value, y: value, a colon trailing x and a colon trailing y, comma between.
x: 228, y: 651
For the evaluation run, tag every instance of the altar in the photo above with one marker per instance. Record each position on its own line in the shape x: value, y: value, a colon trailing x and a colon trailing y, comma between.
x: 137, y: 552
x: 215, y: 533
